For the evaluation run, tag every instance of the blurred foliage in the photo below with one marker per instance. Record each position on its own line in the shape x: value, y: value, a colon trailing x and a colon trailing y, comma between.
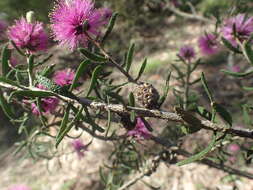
x: 16, y: 8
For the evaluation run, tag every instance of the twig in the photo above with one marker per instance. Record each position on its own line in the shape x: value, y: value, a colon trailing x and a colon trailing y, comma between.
x: 187, y: 15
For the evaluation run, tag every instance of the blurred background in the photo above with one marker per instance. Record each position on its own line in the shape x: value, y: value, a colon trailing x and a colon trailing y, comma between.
x: 158, y: 33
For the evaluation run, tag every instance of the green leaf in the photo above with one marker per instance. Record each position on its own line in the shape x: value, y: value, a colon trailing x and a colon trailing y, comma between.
x: 204, y: 83
x: 110, y: 26
x: 79, y: 73
x: 247, y: 88
x: 165, y: 91
x: 129, y: 58
x: 204, y: 113
x: 246, y: 117
x: 30, y: 66
x: 143, y: 66
x: 230, y: 46
x: 92, y: 56
x: 236, y: 74
x: 47, y: 71
x: 248, y: 51
x: 223, y: 113
x: 9, y: 82
x: 6, y: 55
x: 6, y: 107
x: 64, y: 127
x: 131, y: 99
x: 199, y: 155
x: 94, y: 78
x: 30, y: 93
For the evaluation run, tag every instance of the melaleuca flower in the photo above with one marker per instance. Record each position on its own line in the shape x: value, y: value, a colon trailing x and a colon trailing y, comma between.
x: 239, y: 27
x: 73, y: 19
x: 3, y: 27
x: 64, y: 77
x: 29, y: 36
x: 140, y: 131
x: 48, y: 105
x: 79, y: 147
x: 187, y: 52
x: 208, y: 44
x: 19, y: 187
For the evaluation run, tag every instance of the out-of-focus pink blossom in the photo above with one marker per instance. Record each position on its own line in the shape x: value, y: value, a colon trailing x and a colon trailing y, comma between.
x: 235, y: 68
x: 48, y: 105
x: 72, y: 19
x: 233, y: 148
x: 29, y: 36
x: 19, y: 187
x: 64, y: 77
x: 208, y: 44
x: 79, y: 147
x: 13, y: 61
x: 232, y: 159
x: 187, y: 52
x: 140, y: 131
x: 239, y: 26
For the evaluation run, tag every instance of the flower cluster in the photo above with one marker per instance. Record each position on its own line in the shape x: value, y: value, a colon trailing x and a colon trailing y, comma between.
x: 48, y: 105
x: 208, y: 44
x: 187, y: 53
x: 64, y: 77
x: 79, y: 147
x: 73, y: 20
x: 140, y: 131
x: 237, y: 28
x: 29, y: 36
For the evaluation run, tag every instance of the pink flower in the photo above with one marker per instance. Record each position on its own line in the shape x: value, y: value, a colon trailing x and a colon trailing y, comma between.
x: 208, y: 44
x: 233, y: 148
x: 140, y: 131
x: 79, y: 147
x: 71, y: 19
x: 64, y: 77
x: 242, y: 25
x: 187, y: 52
x: 19, y: 187
x: 13, y: 61
x: 48, y: 105
x: 29, y: 36
x: 235, y: 68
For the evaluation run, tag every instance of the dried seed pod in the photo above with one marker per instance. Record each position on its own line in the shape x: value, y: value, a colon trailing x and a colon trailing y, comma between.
x: 146, y: 95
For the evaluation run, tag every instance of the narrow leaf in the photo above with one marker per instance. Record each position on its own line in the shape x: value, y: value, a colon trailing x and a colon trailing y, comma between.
x: 30, y: 93
x: 204, y: 83
x: 143, y: 66
x: 94, y: 78
x: 200, y: 155
x: 6, y: 108
x: 6, y: 55
x: 110, y: 26
x: 236, y: 74
x: 165, y: 91
x: 79, y: 73
x: 129, y: 58
x: 9, y: 82
x: 63, y: 128
x: 223, y: 113
x: 92, y: 56
x: 248, y: 51
x: 230, y: 46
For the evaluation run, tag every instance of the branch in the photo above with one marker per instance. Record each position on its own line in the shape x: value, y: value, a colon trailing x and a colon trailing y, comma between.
x: 182, y: 117
x: 187, y: 15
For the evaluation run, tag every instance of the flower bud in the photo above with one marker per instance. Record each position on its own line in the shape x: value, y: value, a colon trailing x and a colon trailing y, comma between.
x: 30, y: 17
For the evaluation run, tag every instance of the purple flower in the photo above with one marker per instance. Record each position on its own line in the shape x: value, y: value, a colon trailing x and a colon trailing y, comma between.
x: 48, y: 105
x: 13, y: 61
x: 72, y: 19
x: 187, y: 52
x: 29, y: 36
x: 64, y: 77
x: 208, y: 44
x: 79, y: 147
x: 233, y: 148
x: 239, y: 27
x: 140, y: 131
x: 19, y: 187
